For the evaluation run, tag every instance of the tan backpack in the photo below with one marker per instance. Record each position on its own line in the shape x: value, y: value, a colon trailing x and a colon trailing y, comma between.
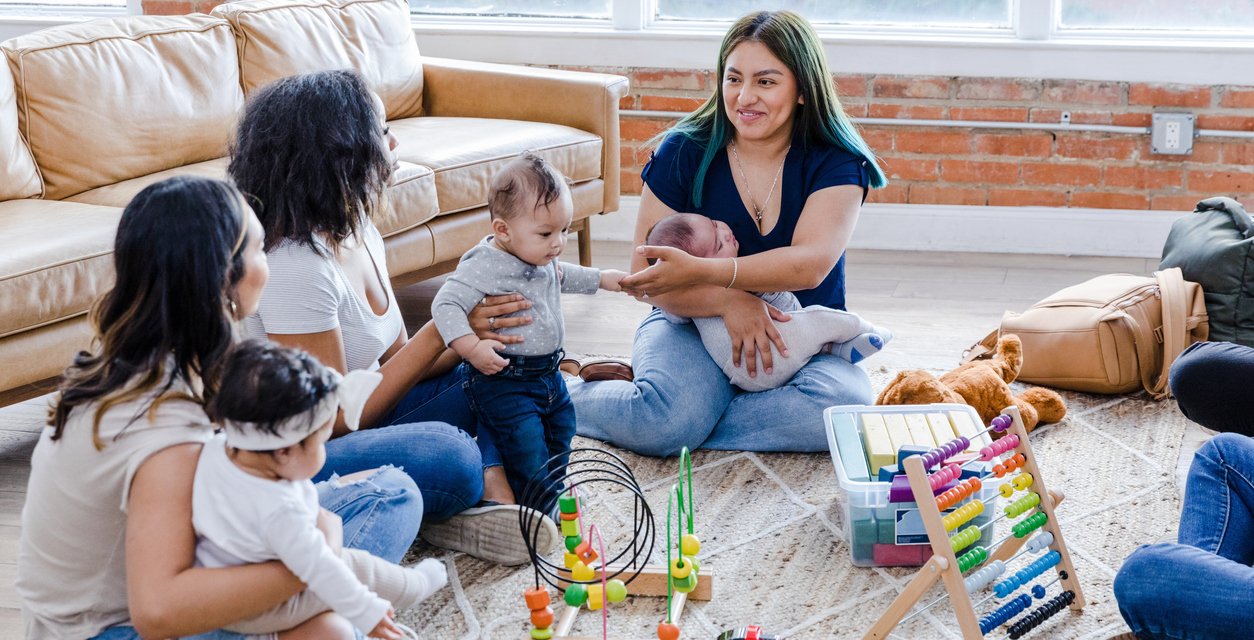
x: 1113, y: 334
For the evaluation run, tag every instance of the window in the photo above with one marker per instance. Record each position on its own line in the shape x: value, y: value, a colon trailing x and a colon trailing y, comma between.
x: 596, y: 9
x: 949, y: 14
x: 61, y: 7
x: 1159, y: 15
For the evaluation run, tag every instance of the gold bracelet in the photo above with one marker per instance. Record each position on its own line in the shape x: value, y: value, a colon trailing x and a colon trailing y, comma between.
x: 735, y: 271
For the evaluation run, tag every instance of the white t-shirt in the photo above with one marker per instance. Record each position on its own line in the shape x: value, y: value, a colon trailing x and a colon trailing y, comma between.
x: 309, y: 293
x: 244, y: 519
x: 71, y: 563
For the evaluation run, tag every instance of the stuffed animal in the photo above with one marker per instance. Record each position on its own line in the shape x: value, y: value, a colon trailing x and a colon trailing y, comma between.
x: 983, y: 384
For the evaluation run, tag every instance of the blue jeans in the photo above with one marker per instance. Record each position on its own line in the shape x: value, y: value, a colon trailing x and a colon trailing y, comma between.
x: 1203, y: 587
x: 421, y: 435
x: 681, y: 398
x: 1211, y: 383
x: 381, y: 515
x: 527, y: 411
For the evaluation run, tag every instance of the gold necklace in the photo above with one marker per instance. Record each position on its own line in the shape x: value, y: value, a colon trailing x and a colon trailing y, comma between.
x: 757, y: 211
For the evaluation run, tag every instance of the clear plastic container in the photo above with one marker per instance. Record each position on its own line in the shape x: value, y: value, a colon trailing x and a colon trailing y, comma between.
x: 883, y: 533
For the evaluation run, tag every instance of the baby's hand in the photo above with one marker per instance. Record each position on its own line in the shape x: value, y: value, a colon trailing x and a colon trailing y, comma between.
x: 610, y: 279
x: 485, y: 358
x: 386, y: 629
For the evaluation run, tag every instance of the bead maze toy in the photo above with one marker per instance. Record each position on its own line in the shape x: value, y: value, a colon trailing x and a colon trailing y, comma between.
x: 580, y: 577
x: 1037, y: 504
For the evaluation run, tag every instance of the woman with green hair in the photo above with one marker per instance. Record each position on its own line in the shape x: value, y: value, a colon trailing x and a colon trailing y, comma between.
x: 773, y: 155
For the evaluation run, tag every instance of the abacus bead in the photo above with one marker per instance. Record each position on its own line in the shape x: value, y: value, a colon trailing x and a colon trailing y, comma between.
x: 1006, y: 490
x: 542, y: 634
x: 1023, y: 480
x: 976, y: 484
x: 987, y: 453
x: 570, y: 528
x: 572, y: 542
x: 667, y: 631
x: 576, y: 595
x: 689, y: 545
x: 1038, y: 591
x: 680, y: 569
x: 616, y: 590
x: 687, y: 584
x: 569, y: 559
x: 537, y: 598
x: 999, y: 470
x: 568, y: 504
x: 542, y: 618
x: 582, y: 572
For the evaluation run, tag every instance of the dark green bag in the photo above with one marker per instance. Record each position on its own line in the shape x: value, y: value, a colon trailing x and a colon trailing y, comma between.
x: 1214, y: 248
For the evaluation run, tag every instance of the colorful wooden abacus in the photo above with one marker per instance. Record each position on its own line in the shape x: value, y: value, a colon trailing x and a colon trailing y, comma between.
x: 946, y: 565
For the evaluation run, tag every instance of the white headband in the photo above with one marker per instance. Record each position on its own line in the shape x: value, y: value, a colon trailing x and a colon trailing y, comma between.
x: 350, y: 394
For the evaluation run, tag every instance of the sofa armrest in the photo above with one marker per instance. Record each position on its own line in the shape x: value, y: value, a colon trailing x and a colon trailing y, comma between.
x: 587, y: 101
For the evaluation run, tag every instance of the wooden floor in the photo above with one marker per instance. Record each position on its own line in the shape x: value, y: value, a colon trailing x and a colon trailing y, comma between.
x: 936, y: 304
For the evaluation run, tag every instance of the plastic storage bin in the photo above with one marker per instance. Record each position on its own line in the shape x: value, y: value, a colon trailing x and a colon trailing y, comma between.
x: 883, y: 533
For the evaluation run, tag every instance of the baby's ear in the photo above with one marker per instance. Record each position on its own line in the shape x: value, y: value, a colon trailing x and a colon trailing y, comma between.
x: 500, y: 227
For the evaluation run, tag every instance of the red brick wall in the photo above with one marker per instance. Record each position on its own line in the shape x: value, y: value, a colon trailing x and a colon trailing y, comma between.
x: 178, y: 7
x: 933, y: 165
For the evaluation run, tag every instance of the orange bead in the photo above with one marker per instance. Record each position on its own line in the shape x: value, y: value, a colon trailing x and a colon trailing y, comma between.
x: 542, y: 618
x: 585, y: 553
x: 537, y: 598
x: 667, y: 631
x: 570, y: 516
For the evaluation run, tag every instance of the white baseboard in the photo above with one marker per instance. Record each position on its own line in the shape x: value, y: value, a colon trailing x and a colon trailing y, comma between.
x: 1036, y: 230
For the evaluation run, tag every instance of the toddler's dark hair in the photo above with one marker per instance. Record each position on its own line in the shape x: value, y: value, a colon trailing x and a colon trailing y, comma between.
x: 528, y: 175
x: 265, y: 384
x: 674, y: 230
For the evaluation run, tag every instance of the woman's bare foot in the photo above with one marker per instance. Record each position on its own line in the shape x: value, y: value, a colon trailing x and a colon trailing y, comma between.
x: 496, y: 486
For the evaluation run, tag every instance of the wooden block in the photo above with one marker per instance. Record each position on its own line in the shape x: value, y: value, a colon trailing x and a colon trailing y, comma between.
x: 879, y: 447
x: 852, y: 456
x: 965, y: 427
x: 920, y: 432
x: 898, y: 432
x: 652, y: 581
x: 942, y: 430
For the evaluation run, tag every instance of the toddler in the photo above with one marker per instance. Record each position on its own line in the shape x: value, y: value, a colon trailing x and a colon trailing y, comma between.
x: 516, y: 390
x: 812, y: 330
x: 252, y: 500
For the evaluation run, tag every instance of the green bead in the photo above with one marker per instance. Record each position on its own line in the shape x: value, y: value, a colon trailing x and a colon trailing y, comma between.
x: 570, y: 528
x: 576, y: 595
x: 687, y: 584
x: 696, y: 566
x: 568, y: 504
x: 572, y: 542
x: 542, y: 634
x: 616, y: 590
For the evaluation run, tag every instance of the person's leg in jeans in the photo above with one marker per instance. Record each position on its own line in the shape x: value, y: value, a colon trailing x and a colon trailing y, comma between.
x: 790, y: 418
x: 1202, y: 587
x: 511, y: 409
x: 677, y: 396
x: 442, y: 399
x: 1212, y: 381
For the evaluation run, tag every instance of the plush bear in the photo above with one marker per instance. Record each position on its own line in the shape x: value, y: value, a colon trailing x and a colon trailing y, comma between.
x: 983, y: 384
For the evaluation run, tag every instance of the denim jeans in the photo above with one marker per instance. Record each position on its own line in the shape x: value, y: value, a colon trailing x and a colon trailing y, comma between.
x: 1201, y: 588
x: 381, y: 515
x: 681, y: 398
x: 444, y: 461
x: 528, y: 413
x: 1211, y: 382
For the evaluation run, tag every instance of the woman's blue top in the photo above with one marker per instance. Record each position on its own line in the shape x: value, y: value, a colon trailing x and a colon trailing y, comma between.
x: 807, y: 168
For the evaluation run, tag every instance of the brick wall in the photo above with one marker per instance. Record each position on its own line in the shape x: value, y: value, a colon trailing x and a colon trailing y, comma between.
x: 178, y: 7
x: 933, y: 165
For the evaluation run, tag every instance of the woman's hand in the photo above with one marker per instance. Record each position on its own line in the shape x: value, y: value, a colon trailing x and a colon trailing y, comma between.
x: 485, y: 319
x: 748, y: 321
x: 674, y: 269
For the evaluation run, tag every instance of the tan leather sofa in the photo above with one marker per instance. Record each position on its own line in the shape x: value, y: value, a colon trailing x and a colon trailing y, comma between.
x: 92, y: 113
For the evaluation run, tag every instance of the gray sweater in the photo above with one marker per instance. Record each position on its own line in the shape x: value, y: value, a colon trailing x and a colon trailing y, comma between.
x: 488, y: 271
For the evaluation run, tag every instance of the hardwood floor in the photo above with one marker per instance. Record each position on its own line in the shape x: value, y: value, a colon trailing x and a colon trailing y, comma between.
x: 936, y: 304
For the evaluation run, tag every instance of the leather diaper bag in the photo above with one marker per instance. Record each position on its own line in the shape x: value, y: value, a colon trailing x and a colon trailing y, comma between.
x: 1113, y: 334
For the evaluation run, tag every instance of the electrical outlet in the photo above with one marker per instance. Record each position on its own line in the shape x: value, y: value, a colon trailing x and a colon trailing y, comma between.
x: 1172, y: 133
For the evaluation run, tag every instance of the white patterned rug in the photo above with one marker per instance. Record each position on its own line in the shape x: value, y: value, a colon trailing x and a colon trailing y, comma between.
x: 773, y: 532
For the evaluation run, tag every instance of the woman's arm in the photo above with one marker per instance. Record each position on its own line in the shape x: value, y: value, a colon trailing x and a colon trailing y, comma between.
x: 169, y: 596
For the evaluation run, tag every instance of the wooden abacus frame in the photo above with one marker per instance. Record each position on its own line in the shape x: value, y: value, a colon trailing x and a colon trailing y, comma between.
x: 944, y: 561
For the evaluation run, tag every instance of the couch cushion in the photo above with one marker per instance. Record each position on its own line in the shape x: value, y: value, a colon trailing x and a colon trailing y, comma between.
x: 18, y: 176
x: 109, y: 100
x: 279, y: 38
x: 466, y: 153
x: 57, y: 260
x: 120, y: 194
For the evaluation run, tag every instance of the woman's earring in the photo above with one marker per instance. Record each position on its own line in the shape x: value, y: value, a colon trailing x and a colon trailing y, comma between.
x: 234, y: 309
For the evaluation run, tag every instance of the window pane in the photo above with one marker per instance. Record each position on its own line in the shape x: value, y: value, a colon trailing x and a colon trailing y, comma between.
x: 940, y: 13
x: 515, y: 8
x: 1225, y: 15
x: 37, y: 7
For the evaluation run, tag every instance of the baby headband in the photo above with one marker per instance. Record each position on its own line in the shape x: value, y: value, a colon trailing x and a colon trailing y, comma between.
x: 350, y: 394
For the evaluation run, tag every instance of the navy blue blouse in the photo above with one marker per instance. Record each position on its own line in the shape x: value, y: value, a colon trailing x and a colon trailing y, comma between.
x: 670, y: 174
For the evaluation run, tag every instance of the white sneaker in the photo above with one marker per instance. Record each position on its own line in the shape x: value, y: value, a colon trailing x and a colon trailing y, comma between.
x: 491, y: 532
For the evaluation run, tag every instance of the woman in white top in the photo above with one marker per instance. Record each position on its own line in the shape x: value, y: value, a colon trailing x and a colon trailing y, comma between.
x: 107, y: 547
x: 315, y: 154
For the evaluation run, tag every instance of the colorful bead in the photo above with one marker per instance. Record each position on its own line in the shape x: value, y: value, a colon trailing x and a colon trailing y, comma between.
x: 568, y: 504
x: 569, y: 559
x: 582, y: 572
x: 569, y: 516
x: 616, y: 590
x: 542, y: 618
x: 667, y: 631
x: 1029, y: 524
x: 1006, y: 490
x: 1023, y: 481
x: 570, y: 528
x: 537, y: 598
x: 964, y: 538
x: 542, y: 634
x: 680, y: 569
x: 572, y: 542
x: 696, y: 566
x: 576, y: 595
x: 689, y: 545
x: 596, y: 597
x: 685, y: 585
x: 585, y: 553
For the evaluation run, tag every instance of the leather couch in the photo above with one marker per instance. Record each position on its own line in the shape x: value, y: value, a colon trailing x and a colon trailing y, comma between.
x: 92, y: 113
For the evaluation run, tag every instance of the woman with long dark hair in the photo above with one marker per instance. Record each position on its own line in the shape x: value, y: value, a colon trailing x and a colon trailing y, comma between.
x: 107, y: 546
x: 314, y: 153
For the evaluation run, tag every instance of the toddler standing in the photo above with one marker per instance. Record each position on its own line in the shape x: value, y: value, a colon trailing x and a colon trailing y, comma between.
x: 516, y: 391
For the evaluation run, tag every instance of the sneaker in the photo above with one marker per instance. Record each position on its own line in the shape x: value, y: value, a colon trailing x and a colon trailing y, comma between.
x: 490, y: 532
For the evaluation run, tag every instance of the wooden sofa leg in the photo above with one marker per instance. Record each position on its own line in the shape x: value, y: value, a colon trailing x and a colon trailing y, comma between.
x: 584, y: 239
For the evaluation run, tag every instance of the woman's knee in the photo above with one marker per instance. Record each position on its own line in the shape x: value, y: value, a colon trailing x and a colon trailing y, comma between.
x: 831, y: 380
x: 1228, y: 448
x: 1136, y: 583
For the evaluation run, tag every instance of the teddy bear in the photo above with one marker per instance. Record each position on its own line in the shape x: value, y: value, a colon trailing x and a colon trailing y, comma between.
x: 983, y: 384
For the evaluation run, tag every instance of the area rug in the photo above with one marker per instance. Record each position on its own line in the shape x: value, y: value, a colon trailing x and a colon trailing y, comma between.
x: 775, y: 540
